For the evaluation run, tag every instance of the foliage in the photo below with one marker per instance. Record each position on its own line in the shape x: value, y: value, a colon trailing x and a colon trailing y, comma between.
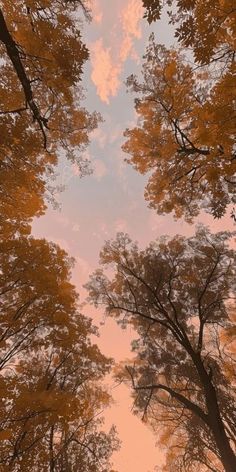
x: 184, y: 137
x: 42, y: 58
x: 185, y: 133
x: 177, y: 295
x: 152, y: 10
x: 51, y: 374
x: 207, y: 27
x: 50, y: 371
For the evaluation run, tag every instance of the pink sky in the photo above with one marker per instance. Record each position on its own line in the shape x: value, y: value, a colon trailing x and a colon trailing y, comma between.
x: 95, y: 208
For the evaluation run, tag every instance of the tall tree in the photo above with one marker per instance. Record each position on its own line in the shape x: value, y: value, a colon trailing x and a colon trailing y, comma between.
x: 184, y: 137
x: 50, y: 372
x: 42, y: 58
x: 207, y: 27
x: 177, y: 295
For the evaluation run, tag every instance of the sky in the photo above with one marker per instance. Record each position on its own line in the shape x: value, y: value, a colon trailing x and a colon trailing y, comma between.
x: 93, y: 209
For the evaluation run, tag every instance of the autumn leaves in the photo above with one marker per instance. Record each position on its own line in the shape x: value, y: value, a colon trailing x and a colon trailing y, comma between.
x: 51, y: 394
x: 49, y: 368
x: 177, y: 293
x: 186, y: 108
x: 41, y: 111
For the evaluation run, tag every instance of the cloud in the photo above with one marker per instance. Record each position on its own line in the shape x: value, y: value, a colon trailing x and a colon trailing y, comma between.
x: 84, y: 269
x: 108, y: 61
x: 76, y: 228
x: 81, y: 273
x: 100, y: 169
x: 75, y: 169
x: 99, y: 136
x: 121, y: 225
x: 115, y: 134
x: 97, y: 13
x: 62, y: 220
x: 130, y: 18
x: 105, y: 73
x: 126, y: 48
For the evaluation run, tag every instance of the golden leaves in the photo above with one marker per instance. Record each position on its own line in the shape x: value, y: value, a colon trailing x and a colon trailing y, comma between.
x: 184, y: 135
x: 40, y: 109
x: 50, y: 369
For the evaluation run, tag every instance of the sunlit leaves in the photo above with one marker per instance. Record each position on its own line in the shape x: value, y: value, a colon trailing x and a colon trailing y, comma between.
x: 207, y: 27
x: 184, y: 135
x: 40, y: 103
x: 51, y: 396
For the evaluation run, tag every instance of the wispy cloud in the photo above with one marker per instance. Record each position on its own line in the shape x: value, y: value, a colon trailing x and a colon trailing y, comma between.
x: 108, y: 58
x: 100, y: 169
x: 131, y: 26
x: 76, y: 228
x: 97, y: 13
x: 100, y: 137
x: 121, y: 225
x: 105, y: 74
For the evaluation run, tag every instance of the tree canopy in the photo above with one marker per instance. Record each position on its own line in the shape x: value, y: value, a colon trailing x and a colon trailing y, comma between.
x: 177, y: 295
x: 184, y: 138
x: 207, y: 27
x: 51, y: 373
x: 51, y: 394
x: 42, y: 58
x: 185, y: 135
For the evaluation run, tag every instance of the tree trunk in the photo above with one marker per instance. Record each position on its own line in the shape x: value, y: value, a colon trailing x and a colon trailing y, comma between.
x: 14, y: 56
x: 228, y: 457
x: 51, y: 451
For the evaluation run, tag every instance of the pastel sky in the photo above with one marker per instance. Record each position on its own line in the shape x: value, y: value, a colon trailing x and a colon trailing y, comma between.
x: 94, y: 208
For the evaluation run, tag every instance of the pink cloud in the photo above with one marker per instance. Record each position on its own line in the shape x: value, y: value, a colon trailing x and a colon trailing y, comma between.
x: 100, y: 169
x: 108, y: 61
x: 115, y: 134
x: 97, y: 13
x: 121, y: 225
x: 99, y: 136
x: 76, y: 228
x: 126, y: 48
x: 130, y: 18
x: 105, y: 72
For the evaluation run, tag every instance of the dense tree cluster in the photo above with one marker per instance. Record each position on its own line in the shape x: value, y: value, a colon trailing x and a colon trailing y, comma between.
x: 42, y: 58
x: 185, y: 135
x: 206, y: 27
x: 50, y: 370
x: 51, y: 374
x: 177, y: 294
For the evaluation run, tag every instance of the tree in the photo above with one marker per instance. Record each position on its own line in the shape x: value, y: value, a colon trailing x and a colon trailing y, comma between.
x: 207, y: 27
x: 51, y: 392
x: 51, y: 374
x: 184, y: 136
x: 40, y: 102
x: 177, y: 295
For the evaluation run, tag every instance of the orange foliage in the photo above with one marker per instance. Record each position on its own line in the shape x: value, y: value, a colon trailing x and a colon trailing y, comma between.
x: 40, y: 102
x: 50, y: 371
x: 185, y: 134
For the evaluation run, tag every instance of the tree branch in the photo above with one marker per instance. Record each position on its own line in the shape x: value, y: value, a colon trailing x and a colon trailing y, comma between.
x: 177, y: 396
x: 14, y: 56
